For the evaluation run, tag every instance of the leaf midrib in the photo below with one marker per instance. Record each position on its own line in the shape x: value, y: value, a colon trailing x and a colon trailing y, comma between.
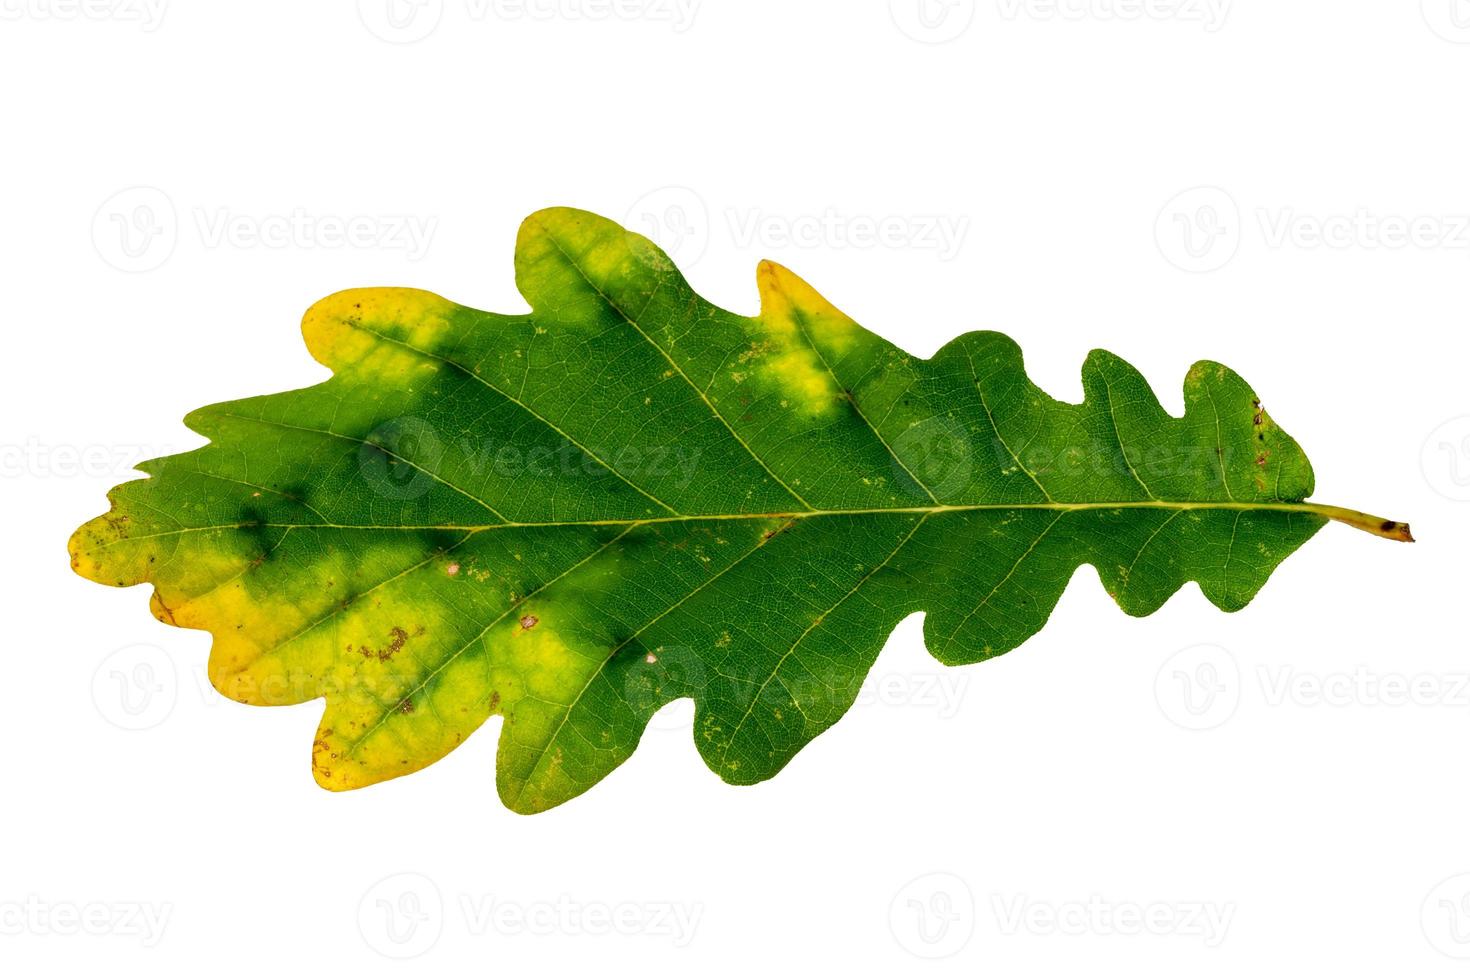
x: 1324, y: 511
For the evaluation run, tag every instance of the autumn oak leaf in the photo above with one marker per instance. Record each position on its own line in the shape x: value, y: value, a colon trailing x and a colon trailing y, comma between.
x: 572, y: 516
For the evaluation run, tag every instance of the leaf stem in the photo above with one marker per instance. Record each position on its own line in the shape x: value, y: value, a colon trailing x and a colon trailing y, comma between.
x: 1383, y: 528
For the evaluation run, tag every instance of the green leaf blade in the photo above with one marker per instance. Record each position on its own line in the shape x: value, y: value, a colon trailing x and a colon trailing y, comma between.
x: 572, y: 517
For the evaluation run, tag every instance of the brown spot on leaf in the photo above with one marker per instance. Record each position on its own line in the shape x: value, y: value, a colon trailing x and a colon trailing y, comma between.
x: 528, y: 621
x: 397, y: 637
x: 775, y: 531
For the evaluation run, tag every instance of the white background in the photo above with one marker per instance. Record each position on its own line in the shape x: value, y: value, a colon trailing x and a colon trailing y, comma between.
x: 1172, y: 181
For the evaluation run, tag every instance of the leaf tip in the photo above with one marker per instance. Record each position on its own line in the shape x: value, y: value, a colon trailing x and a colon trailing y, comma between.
x: 1396, y: 531
x: 88, y: 540
x: 74, y: 551
x: 783, y: 291
x: 339, y: 329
